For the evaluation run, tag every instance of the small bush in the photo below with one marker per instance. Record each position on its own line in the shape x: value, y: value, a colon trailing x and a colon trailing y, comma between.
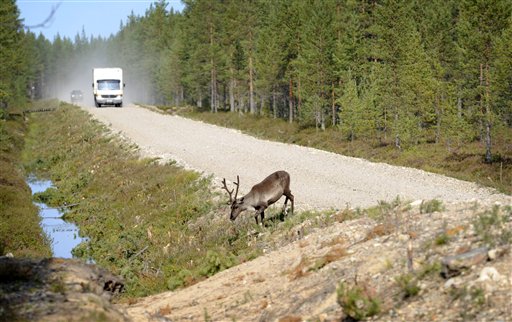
x: 442, y: 239
x: 491, y: 227
x: 431, y: 206
x: 470, y: 299
x: 409, y: 285
x: 384, y: 210
x: 429, y: 269
x: 179, y: 280
x: 216, y: 262
x: 358, y: 302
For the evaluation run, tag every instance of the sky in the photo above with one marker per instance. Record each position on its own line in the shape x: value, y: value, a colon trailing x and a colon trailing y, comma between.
x: 96, y: 17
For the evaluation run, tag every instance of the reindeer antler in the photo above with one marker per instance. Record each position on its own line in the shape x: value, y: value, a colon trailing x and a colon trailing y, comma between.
x: 230, y: 192
x: 237, y: 185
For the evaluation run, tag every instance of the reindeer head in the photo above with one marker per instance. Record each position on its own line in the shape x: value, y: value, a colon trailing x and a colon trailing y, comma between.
x: 237, y: 205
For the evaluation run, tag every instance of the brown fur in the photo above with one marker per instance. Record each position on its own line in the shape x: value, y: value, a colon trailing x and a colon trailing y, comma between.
x: 264, y: 194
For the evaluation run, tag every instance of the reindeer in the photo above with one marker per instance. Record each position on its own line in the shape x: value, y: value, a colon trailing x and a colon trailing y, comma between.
x: 262, y: 195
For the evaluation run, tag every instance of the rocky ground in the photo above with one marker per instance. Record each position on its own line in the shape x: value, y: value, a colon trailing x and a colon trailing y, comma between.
x: 57, y: 290
x: 417, y: 266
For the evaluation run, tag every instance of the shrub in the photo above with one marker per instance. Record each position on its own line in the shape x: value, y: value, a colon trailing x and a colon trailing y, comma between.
x: 491, y: 226
x: 216, y: 262
x: 431, y: 206
x: 358, y: 302
x: 442, y: 239
x: 179, y: 280
x: 409, y: 285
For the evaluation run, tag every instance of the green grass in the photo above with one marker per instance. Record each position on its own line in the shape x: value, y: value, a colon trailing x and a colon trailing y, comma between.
x: 465, y: 162
x: 154, y: 224
x: 20, y: 232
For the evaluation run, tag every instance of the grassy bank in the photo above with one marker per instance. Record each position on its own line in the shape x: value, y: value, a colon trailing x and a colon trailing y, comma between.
x: 20, y: 231
x: 464, y: 162
x: 157, y: 225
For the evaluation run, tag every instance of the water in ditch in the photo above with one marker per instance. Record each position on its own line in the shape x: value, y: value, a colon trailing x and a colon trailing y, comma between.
x: 64, y: 235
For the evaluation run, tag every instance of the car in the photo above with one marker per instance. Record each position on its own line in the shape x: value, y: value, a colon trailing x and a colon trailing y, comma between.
x: 76, y: 96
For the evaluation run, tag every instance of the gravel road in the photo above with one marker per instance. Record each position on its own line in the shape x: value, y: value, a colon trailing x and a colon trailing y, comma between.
x: 319, y: 179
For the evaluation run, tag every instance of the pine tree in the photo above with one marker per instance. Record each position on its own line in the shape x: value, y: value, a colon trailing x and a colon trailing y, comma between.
x: 501, y: 87
x: 480, y: 23
x: 270, y: 55
x: 11, y: 54
x: 315, y: 60
x: 404, y: 76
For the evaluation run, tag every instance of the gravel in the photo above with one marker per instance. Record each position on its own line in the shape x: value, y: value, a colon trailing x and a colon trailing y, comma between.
x: 319, y: 179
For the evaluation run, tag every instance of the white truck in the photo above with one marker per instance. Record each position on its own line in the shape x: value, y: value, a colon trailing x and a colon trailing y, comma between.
x: 107, y: 86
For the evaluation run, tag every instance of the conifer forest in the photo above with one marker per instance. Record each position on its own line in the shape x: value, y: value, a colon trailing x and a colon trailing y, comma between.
x: 398, y: 72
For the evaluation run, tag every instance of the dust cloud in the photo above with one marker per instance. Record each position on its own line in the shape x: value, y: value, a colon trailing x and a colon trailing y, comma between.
x: 76, y: 74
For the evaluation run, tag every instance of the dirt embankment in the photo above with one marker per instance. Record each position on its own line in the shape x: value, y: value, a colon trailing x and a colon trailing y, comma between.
x: 451, y: 277
x: 57, y: 290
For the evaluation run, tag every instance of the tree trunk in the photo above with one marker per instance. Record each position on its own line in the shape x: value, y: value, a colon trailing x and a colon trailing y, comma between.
x: 299, y: 103
x: 397, y: 135
x: 232, y: 92
x: 437, y: 109
x: 213, y: 88
x: 333, y: 106
x: 488, y: 154
x: 274, y: 103
x: 290, y: 101
x: 200, y: 101
x: 213, y: 80
x: 252, y: 105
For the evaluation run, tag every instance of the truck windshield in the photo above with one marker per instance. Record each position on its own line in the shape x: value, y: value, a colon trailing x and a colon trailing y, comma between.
x: 109, y: 84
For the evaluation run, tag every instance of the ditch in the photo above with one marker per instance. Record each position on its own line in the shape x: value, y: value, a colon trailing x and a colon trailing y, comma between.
x: 64, y: 235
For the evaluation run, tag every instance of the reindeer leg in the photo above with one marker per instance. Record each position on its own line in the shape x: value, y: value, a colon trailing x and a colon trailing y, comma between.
x: 260, y: 213
x: 284, y: 207
x: 288, y: 195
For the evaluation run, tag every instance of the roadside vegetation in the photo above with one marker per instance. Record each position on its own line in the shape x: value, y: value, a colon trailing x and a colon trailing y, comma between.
x: 20, y: 231
x: 157, y: 225
x: 465, y: 163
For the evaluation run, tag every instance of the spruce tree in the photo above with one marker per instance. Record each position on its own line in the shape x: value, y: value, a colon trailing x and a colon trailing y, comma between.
x: 480, y: 23
x: 11, y: 54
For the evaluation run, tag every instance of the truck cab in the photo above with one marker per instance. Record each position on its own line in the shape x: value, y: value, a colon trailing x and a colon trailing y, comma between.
x: 108, y: 86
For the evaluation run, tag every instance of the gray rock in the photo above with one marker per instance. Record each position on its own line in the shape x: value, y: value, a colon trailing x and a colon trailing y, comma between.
x: 489, y: 274
x: 454, y: 264
x: 498, y: 252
